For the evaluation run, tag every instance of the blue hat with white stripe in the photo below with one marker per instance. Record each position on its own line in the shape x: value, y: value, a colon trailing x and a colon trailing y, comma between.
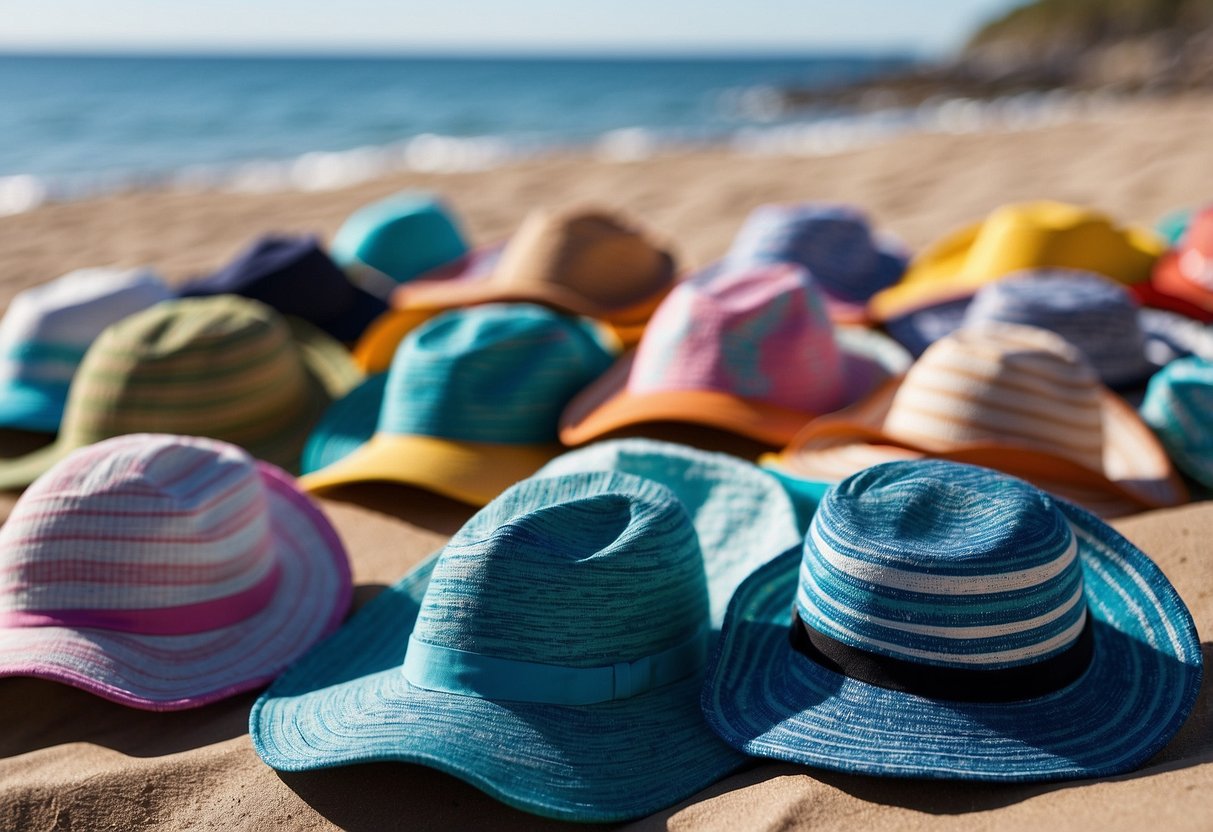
x: 551, y: 655
x: 948, y: 621
x: 1177, y: 405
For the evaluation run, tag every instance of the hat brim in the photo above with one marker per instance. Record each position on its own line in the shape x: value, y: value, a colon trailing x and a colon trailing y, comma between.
x: 1137, y: 474
x: 377, y: 346
x: 164, y: 673
x: 938, y: 273
x: 472, y: 472
x: 28, y: 407
x: 348, y: 702
x: 607, y: 405
x: 768, y: 700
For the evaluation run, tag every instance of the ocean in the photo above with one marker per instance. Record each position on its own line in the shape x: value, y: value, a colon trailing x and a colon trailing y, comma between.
x: 78, y: 125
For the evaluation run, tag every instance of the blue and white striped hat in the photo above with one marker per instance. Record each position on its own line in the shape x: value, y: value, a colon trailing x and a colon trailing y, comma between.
x: 948, y: 621
x: 1177, y: 407
x: 551, y: 655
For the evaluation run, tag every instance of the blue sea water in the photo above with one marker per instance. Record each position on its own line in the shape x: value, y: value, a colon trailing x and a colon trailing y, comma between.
x: 132, y: 119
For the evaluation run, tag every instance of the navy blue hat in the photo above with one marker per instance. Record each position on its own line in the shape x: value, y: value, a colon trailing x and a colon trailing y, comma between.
x: 295, y: 277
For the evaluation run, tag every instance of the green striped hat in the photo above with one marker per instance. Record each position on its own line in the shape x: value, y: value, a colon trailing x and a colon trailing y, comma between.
x: 224, y: 367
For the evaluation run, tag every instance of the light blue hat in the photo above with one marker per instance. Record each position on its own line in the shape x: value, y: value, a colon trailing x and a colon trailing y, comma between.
x: 1178, y: 407
x: 1174, y: 225
x: 470, y: 405
x: 742, y: 518
x: 47, y: 329
x: 401, y: 236
x: 948, y: 621
x: 1124, y: 343
x: 555, y: 659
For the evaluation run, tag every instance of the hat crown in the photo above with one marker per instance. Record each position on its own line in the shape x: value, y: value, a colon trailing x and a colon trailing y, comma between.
x: 580, y: 570
x: 1033, y: 235
x: 1002, y: 384
x: 942, y: 564
x: 46, y: 329
x: 494, y: 373
x: 401, y: 236
x: 1176, y: 407
x: 291, y: 274
x: 223, y: 366
x: 592, y: 253
x: 759, y: 332
x: 138, y: 525
x: 834, y: 242
x: 1094, y: 314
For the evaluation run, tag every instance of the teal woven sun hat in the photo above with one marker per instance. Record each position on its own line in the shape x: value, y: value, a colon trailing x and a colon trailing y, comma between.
x: 741, y: 515
x: 470, y: 405
x: 397, y: 239
x: 947, y: 621
x: 551, y: 655
x: 1177, y: 407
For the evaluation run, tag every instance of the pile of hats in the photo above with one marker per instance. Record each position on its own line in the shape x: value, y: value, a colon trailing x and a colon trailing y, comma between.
x: 819, y: 501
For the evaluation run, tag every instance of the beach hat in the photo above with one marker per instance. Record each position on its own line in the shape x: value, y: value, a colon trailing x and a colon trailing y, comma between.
x: 1017, y: 399
x: 1174, y: 225
x: 579, y: 261
x: 747, y: 350
x: 555, y: 659
x: 834, y: 242
x: 1124, y: 343
x: 1013, y: 238
x: 1178, y: 406
x: 296, y: 277
x: 165, y: 572
x: 47, y: 329
x: 742, y: 517
x: 951, y: 622
x: 225, y: 367
x: 1184, y: 275
x: 470, y: 406
x: 397, y: 238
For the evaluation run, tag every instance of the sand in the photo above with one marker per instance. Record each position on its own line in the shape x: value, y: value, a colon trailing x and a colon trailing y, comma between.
x: 71, y: 761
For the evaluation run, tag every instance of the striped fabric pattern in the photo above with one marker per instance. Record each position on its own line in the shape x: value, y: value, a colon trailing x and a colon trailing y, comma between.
x: 224, y: 367
x: 914, y: 569
x: 948, y: 566
x: 164, y: 572
x: 834, y: 242
x: 988, y: 391
x: 579, y: 570
x: 46, y: 331
x: 1178, y: 407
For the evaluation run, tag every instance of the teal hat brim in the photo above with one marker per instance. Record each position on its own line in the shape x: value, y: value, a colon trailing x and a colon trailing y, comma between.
x: 742, y: 517
x: 766, y: 699
x: 348, y: 702
x: 347, y: 424
x: 30, y: 407
x: 805, y: 494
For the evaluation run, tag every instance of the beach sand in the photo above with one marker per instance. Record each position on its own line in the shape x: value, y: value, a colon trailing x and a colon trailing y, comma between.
x: 70, y: 761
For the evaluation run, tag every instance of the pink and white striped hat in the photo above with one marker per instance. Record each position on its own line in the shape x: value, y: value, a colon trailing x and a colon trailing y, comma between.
x: 165, y: 572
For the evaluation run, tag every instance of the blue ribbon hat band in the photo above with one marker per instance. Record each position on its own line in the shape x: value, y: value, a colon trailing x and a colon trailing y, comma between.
x: 433, y: 667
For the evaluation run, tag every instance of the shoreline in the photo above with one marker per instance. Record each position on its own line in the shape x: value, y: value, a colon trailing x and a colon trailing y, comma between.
x: 818, y: 132
x: 1137, y: 160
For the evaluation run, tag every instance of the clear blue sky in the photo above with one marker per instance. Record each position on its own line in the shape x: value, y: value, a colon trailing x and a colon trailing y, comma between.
x: 926, y: 26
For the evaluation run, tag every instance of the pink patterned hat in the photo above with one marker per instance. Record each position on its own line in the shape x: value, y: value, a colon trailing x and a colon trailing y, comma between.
x: 747, y: 349
x: 165, y: 572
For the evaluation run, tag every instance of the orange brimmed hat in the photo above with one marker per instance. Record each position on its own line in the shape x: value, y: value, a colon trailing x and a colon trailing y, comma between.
x: 1015, y: 237
x: 585, y: 262
x: 1184, y: 275
x: 1014, y: 398
x: 748, y: 350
